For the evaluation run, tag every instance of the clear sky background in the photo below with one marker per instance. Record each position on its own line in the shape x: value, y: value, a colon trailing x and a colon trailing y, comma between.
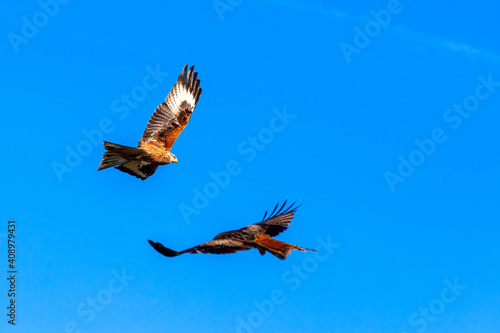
x: 403, y: 183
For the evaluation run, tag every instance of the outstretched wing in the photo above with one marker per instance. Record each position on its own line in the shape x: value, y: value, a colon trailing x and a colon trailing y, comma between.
x: 219, y: 246
x: 138, y: 169
x: 277, y: 222
x: 170, y: 117
x: 216, y: 246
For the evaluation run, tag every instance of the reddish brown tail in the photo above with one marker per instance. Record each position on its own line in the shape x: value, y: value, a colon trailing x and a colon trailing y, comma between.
x: 278, y: 248
x: 118, y: 154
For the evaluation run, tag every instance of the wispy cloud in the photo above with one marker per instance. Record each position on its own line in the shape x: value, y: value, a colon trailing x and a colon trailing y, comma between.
x: 319, y: 8
x: 468, y: 49
x: 464, y: 48
x: 460, y: 47
x: 434, y: 41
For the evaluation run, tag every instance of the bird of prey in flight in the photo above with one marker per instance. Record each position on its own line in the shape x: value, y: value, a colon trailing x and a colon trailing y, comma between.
x: 258, y: 235
x: 164, y: 126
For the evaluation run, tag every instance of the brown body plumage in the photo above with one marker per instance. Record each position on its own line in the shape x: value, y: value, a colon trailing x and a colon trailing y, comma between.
x: 164, y: 126
x: 258, y: 235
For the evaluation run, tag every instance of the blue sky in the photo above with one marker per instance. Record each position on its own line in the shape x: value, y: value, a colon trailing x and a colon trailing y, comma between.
x: 381, y: 118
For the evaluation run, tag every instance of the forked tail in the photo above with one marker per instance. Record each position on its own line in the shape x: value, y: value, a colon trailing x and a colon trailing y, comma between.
x: 117, y: 154
x: 278, y: 248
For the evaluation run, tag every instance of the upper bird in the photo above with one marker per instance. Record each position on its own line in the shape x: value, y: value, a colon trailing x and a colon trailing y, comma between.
x: 164, y: 126
x: 257, y: 236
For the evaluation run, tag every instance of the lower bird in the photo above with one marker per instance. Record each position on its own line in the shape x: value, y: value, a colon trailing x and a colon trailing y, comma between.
x: 258, y: 235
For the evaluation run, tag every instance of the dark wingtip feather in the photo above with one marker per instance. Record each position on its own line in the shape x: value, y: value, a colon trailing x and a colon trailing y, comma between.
x: 190, y: 78
x: 182, y: 76
x: 190, y: 73
x: 296, y: 207
x: 275, y: 207
x: 292, y: 207
x: 199, y: 93
x: 163, y: 250
x: 280, y: 211
x: 284, y: 203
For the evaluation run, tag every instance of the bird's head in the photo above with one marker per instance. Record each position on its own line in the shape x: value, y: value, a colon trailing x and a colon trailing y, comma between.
x: 173, y: 158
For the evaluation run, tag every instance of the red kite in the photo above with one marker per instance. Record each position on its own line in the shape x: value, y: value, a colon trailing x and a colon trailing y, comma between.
x: 257, y: 236
x: 164, y: 126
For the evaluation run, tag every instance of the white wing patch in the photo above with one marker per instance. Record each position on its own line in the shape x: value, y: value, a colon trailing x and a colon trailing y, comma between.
x: 179, y: 94
x: 183, y: 95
